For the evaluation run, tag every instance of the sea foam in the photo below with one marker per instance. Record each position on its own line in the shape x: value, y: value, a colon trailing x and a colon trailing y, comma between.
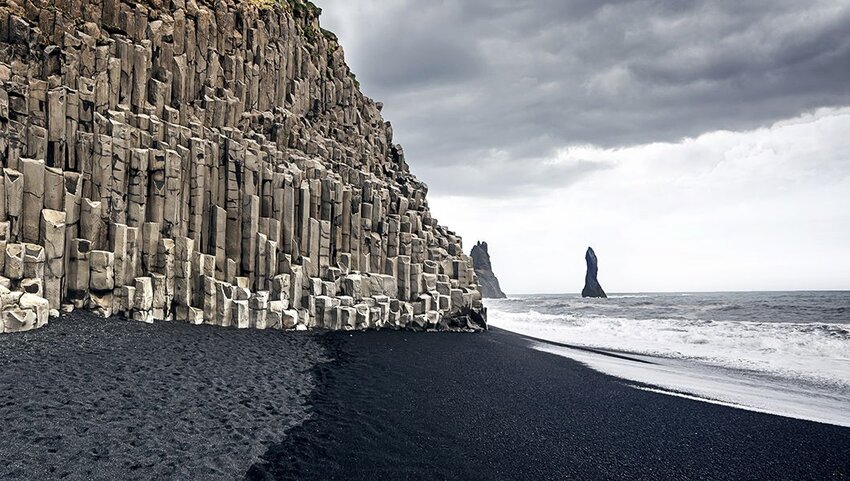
x: 797, y: 369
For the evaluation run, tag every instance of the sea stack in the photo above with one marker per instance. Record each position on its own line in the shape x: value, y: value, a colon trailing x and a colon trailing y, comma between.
x: 209, y: 162
x: 487, y: 281
x: 591, y: 283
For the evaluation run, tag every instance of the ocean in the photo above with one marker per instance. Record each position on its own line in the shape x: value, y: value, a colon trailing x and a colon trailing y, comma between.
x: 785, y: 353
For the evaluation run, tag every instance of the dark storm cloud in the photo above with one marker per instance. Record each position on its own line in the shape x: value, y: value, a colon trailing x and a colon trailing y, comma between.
x: 415, y: 59
x: 471, y: 180
x: 485, y: 84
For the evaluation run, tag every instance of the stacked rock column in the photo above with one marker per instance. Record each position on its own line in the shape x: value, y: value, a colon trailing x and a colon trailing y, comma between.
x: 204, y: 165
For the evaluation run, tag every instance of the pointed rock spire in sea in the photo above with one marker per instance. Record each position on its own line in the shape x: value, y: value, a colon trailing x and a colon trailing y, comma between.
x: 591, y: 283
x: 487, y: 281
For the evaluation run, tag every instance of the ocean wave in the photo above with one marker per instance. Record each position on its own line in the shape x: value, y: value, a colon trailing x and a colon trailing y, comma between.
x: 817, y: 352
x: 730, y: 308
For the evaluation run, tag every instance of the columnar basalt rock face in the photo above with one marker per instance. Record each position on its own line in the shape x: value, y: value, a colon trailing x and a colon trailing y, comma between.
x: 487, y: 280
x: 208, y: 162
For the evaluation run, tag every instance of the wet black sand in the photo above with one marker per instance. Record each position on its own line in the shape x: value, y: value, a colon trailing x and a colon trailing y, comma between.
x: 93, y: 399
x: 483, y: 407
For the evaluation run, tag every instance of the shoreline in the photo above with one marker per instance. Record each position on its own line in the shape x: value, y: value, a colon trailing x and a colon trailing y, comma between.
x: 778, y: 353
x: 689, y: 379
x: 489, y: 406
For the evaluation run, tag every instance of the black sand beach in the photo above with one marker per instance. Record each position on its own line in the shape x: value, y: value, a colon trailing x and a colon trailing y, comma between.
x: 94, y: 399
x: 437, y: 406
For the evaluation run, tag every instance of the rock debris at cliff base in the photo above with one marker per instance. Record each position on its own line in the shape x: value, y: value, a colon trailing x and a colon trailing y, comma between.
x: 208, y: 163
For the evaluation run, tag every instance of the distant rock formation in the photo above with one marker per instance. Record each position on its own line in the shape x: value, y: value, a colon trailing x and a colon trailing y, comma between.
x: 487, y: 281
x: 591, y: 283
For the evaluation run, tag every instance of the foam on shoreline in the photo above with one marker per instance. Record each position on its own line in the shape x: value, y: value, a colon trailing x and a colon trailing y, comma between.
x: 807, y: 352
x: 725, y: 387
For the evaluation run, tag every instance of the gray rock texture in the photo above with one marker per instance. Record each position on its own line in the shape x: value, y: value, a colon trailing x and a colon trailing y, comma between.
x: 487, y: 281
x: 591, y: 283
x: 209, y: 162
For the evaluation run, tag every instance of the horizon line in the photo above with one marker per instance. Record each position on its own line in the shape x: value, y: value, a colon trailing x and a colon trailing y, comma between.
x: 780, y: 291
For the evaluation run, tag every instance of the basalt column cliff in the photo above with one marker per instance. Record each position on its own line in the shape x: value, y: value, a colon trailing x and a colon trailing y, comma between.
x: 208, y: 162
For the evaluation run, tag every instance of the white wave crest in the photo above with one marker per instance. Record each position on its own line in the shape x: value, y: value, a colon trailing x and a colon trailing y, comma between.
x: 818, y: 353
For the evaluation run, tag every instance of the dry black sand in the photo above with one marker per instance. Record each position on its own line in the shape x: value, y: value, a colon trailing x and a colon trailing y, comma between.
x: 94, y: 399
x: 97, y: 399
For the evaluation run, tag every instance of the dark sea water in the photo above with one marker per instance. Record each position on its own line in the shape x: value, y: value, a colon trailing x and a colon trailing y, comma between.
x: 798, y: 338
x: 825, y: 307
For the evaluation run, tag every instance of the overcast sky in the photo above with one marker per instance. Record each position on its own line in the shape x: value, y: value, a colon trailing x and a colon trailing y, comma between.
x: 696, y: 145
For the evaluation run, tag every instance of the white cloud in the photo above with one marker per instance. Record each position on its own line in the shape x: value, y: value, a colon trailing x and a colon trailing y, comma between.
x: 764, y: 209
x: 495, y: 101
